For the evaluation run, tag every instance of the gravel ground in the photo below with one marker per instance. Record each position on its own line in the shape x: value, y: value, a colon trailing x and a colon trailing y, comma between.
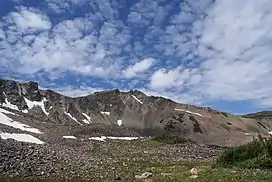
x: 94, y: 160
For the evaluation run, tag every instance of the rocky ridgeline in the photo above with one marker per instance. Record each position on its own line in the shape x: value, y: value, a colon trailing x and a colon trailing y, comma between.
x: 15, y: 92
x: 145, y: 115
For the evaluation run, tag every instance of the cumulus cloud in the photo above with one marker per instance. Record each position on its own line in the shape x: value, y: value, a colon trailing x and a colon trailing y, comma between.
x: 204, y: 51
x: 27, y: 19
x: 139, y: 67
x: 230, y: 46
x: 71, y: 45
x: 79, y: 91
x: 164, y: 79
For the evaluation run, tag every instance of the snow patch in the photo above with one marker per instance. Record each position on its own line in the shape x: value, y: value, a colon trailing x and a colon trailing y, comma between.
x: 88, y: 121
x: 68, y: 114
x: 190, y: 112
x: 9, y: 122
x: 103, y: 138
x: 25, y: 111
x: 9, y: 105
x: 31, y: 104
x: 119, y: 122
x: 270, y: 133
x: 69, y: 137
x: 5, y: 111
x: 106, y: 113
x: 20, y: 137
x: 138, y: 100
x: 123, y: 138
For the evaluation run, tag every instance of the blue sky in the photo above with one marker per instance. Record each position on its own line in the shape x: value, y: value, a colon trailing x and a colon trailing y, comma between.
x: 214, y: 53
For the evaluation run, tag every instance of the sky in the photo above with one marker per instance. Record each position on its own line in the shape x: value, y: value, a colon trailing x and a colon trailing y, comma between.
x: 211, y: 53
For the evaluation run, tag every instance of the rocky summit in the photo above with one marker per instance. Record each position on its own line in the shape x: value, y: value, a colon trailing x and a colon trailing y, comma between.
x: 45, y: 134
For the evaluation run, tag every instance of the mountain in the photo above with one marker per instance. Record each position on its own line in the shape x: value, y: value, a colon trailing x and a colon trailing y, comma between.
x: 264, y: 117
x: 47, y: 116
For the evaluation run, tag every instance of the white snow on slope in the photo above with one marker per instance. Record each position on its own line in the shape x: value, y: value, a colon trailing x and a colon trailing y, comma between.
x: 106, y: 113
x: 119, y: 122
x: 9, y: 122
x: 270, y: 133
x: 9, y: 105
x: 31, y: 104
x: 103, y: 138
x: 5, y: 111
x: 69, y: 137
x: 138, y: 100
x: 88, y: 120
x: 20, y: 137
x: 68, y: 114
x: 123, y: 138
x: 190, y: 112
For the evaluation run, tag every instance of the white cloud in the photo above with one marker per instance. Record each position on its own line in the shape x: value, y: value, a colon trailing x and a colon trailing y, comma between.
x: 204, y: 50
x: 176, y: 96
x: 238, y: 34
x: 179, y: 77
x: 138, y: 68
x: 60, y: 6
x: 79, y: 91
x: 231, y: 49
x: 29, y: 19
x: 71, y: 45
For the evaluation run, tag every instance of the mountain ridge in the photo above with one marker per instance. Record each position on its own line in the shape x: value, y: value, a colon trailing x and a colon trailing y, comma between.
x: 113, y: 112
x: 262, y: 116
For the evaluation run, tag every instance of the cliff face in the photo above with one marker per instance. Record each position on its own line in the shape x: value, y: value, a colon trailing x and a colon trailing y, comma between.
x: 125, y: 113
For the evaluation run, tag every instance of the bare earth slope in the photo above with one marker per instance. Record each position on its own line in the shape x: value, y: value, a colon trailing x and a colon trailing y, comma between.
x: 264, y: 117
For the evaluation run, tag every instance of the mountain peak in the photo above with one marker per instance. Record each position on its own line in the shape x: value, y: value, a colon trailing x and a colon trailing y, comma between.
x: 132, y: 110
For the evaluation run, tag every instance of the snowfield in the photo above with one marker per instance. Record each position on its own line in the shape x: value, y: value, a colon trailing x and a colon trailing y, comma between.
x: 32, y: 104
x: 20, y: 137
x: 88, y: 120
x: 138, y: 100
x: 5, y: 120
x: 190, y: 112
x: 9, y: 105
x: 68, y: 114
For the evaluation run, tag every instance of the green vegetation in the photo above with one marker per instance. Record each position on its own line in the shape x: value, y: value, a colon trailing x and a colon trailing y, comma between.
x: 170, y: 139
x: 256, y: 154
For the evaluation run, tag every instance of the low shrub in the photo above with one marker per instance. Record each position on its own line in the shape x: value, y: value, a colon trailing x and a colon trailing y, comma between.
x: 255, y: 154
